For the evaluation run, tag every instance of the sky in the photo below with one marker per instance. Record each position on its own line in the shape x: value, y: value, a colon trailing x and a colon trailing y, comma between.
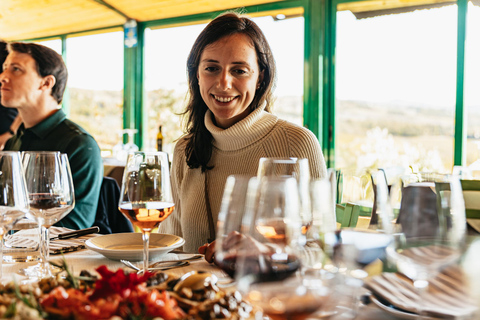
x: 406, y: 57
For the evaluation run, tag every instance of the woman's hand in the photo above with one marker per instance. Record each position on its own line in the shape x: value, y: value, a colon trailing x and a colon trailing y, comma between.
x: 208, y: 249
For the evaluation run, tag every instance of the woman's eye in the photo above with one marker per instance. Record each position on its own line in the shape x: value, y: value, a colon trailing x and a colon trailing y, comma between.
x: 240, y: 71
x: 211, y: 69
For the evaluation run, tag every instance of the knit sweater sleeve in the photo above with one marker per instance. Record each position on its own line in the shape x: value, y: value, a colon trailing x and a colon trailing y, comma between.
x: 172, y: 224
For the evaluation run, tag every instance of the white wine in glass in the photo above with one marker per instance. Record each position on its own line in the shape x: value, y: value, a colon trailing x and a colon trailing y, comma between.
x: 146, y: 195
x: 13, y: 194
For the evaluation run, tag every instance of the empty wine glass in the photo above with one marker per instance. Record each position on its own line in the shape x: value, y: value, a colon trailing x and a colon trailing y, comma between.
x: 51, y: 195
x: 146, y: 195
x: 267, y: 266
x: 429, y: 233
x: 13, y: 194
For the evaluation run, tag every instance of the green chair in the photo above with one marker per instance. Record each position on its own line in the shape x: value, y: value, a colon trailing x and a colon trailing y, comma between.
x: 471, y: 195
x: 347, y: 215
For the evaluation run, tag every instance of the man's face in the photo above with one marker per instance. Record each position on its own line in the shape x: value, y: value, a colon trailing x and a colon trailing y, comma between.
x: 21, y: 85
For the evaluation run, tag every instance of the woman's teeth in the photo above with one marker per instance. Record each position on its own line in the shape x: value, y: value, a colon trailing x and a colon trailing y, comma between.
x: 224, y: 99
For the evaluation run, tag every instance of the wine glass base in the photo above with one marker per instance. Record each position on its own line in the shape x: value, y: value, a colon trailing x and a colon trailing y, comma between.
x: 39, y: 272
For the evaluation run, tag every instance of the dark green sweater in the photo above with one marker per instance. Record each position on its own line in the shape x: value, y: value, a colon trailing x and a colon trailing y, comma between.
x: 57, y: 133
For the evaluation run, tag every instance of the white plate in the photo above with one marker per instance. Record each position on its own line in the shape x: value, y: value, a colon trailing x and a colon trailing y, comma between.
x: 129, y: 246
x: 398, y: 313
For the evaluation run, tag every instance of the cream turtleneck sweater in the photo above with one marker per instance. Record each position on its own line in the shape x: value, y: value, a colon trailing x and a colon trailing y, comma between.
x: 236, y: 150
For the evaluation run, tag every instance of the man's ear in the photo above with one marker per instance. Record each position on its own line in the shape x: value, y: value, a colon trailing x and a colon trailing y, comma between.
x: 48, y: 82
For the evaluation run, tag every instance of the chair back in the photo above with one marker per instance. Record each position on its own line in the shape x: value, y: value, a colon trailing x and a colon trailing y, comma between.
x: 108, y: 218
x: 471, y: 196
x: 347, y: 215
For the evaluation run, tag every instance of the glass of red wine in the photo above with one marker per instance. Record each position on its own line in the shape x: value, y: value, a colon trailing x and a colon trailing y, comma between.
x: 13, y: 194
x: 267, y: 266
x: 146, y: 195
x: 51, y: 196
x: 228, y: 243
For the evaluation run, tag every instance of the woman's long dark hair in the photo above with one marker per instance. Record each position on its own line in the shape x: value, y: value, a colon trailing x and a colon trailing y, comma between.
x: 199, y: 146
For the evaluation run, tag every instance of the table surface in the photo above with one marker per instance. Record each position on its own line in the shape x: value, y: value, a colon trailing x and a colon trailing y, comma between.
x: 89, y: 260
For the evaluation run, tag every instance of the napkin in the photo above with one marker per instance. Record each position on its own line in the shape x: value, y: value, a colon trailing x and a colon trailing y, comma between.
x: 68, y: 245
x: 28, y: 238
x: 447, y: 296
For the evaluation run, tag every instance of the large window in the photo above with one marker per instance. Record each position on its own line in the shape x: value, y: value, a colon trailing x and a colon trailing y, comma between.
x: 395, y: 90
x: 95, y: 83
x: 166, y: 79
x: 472, y: 84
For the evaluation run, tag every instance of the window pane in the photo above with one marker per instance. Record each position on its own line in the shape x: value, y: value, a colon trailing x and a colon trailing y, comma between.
x: 95, y: 82
x: 166, y: 80
x: 472, y: 83
x: 55, y: 44
x: 395, y: 90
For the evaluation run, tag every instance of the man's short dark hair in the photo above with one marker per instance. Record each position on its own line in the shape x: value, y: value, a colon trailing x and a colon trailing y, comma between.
x: 48, y: 62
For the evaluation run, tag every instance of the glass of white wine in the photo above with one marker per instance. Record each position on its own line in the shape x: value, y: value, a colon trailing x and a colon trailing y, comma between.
x: 146, y: 195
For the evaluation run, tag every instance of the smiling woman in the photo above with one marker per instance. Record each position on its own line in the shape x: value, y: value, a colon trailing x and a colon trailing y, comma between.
x: 231, y: 73
x: 228, y: 77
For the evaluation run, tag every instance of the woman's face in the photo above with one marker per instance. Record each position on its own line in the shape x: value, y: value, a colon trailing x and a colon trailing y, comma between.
x: 228, y: 76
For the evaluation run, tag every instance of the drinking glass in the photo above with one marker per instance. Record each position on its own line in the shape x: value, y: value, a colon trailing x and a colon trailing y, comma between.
x: 229, y: 223
x: 429, y: 233
x: 267, y: 266
x: 51, y: 196
x: 13, y: 194
x: 291, y: 167
x: 146, y: 195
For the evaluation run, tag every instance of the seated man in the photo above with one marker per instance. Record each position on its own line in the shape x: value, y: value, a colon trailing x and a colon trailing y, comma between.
x: 33, y: 81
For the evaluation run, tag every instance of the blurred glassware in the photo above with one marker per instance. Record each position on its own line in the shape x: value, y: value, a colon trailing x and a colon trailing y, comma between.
x: 291, y: 167
x: 267, y: 268
x: 51, y: 194
x: 13, y: 194
x: 120, y: 151
x: 146, y: 195
x: 229, y: 223
x: 428, y: 234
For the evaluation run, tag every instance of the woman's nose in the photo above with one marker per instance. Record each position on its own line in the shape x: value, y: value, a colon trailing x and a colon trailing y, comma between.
x: 225, y: 81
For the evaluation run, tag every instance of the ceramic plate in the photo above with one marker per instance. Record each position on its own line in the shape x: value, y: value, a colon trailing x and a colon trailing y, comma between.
x: 397, y: 312
x: 129, y: 246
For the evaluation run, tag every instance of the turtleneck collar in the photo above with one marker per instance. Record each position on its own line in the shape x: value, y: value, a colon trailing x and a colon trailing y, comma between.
x: 243, y: 133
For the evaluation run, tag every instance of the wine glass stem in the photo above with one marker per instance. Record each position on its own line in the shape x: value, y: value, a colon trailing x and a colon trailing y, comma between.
x: 1, y: 257
x: 44, y: 245
x: 146, y: 240
x: 421, y: 285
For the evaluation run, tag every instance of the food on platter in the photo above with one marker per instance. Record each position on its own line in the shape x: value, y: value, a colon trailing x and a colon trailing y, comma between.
x: 122, y: 295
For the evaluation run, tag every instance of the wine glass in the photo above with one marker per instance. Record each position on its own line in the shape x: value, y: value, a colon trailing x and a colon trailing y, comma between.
x: 146, y: 195
x: 51, y: 195
x: 429, y: 233
x: 267, y: 266
x: 13, y: 194
x: 229, y: 223
x: 291, y: 167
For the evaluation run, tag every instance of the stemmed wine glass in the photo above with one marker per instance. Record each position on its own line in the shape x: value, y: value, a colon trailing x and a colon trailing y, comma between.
x: 229, y: 224
x: 291, y: 167
x: 51, y: 195
x: 429, y: 233
x: 13, y: 194
x: 146, y: 195
x: 267, y: 266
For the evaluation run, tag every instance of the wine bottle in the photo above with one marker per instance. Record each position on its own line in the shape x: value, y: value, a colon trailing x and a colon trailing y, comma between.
x: 159, y: 139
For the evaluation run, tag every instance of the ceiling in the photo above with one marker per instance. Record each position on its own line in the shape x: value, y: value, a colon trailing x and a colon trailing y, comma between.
x: 33, y: 19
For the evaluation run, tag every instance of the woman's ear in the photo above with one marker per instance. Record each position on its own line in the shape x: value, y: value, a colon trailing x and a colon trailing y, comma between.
x: 260, y: 80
